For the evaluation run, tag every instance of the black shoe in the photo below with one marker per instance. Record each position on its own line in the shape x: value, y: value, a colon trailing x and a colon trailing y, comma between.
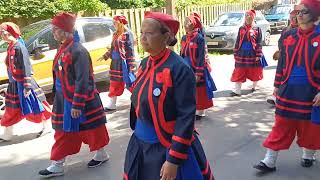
x: 46, y: 174
x: 93, y: 163
x: 40, y: 133
x: 233, y: 94
x: 264, y: 168
x: 108, y: 110
x: 307, y: 162
x: 270, y: 101
x: 198, y: 118
x: 253, y: 89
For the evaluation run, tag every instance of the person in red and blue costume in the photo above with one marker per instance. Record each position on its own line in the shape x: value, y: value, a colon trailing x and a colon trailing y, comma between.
x: 297, y: 88
x: 164, y: 145
x: 122, y: 64
x: 78, y: 115
x: 24, y: 98
x: 293, y: 24
x: 249, y: 59
x: 193, y: 51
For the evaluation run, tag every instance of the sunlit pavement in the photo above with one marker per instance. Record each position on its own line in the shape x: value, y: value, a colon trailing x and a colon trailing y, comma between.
x: 231, y: 133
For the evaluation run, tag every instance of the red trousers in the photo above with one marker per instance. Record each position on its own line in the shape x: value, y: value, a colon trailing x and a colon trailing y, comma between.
x: 68, y: 143
x: 12, y: 116
x: 285, y: 130
x: 202, y: 99
x: 242, y: 74
x: 116, y: 88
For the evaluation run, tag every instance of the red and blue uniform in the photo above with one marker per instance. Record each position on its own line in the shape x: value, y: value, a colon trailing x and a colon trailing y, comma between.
x: 162, y: 117
x: 75, y: 88
x: 34, y: 108
x: 298, y: 81
x: 194, y: 54
x: 122, y: 64
x: 247, y: 49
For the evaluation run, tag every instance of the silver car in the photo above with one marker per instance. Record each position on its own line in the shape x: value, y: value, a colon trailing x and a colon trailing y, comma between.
x: 222, y: 34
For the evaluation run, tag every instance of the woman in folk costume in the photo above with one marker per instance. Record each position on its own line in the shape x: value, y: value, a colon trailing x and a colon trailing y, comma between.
x: 163, y: 145
x: 122, y: 55
x: 78, y: 115
x: 249, y: 60
x: 193, y: 51
x: 297, y: 88
x: 24, y: 98
x: 293, y: 24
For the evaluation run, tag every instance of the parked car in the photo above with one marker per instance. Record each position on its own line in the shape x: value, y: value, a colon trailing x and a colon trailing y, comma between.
x: 222, y: 34
x: 279, y: 17
x: 95, y: 34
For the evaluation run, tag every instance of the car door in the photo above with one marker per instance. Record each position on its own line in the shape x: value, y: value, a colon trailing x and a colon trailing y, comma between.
x: 263, y: 24
x: 42, y: 51
x: 97, y: 36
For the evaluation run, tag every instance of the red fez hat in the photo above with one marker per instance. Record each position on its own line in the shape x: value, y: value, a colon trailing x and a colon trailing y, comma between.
x: 313, y: 6
x: 196, y: 14
x: 11, y: 28
x: 120, y: 18
x: 252, y: 13
x: 64, y: 21
x: 195, y: 21
x: 165, y: 19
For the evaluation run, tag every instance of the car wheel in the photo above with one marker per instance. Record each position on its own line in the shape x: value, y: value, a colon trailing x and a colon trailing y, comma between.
x: 266, y: 41
x: 3, y: 90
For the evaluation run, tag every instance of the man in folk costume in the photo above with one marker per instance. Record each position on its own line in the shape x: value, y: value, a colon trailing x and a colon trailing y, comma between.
x: 193, y: 50
x: 249, y: 60
x: 78, y: 115
x: 297, y: 87
x: 293, y: 24
x: 122, y: 64
x: 24, y: 98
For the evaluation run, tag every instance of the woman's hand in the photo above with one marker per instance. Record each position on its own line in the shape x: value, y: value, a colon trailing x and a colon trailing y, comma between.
x: 75, y: 113
x: 275, y: 91
x: 258, y: 58
x: 198, y: 78
x: 100, y: 58
x: 168, y: 171
x: 26, y: 92
x: 316, y: 100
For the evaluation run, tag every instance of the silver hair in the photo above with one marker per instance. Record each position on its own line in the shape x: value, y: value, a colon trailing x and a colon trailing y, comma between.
x: 65, y: 34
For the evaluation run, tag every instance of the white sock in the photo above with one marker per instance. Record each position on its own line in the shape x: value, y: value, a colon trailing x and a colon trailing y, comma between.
x: 237, y: 89
x: 57, y: 166
x: 7, y: 133
x: 308, y: 154
x: 111, y: 102
x: 201, y: 113
x: 101, y: 155
x: 254, y: 84
x: 270, y: 158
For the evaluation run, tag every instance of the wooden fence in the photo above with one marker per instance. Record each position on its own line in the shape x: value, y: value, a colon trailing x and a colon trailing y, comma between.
x: 208, y: 15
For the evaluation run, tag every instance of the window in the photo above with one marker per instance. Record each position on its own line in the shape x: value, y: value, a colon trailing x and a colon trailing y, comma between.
x: 47, y: 39
x: 94, y: 31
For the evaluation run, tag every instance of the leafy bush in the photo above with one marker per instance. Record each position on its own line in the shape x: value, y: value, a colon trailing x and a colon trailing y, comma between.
x: 14, y: 9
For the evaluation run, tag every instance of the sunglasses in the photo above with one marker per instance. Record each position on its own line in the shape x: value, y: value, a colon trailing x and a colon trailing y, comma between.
x: 303, y: 12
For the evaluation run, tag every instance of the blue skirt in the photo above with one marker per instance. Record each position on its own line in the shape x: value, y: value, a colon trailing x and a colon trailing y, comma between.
x: 30, y: 104
x: 145, y: 157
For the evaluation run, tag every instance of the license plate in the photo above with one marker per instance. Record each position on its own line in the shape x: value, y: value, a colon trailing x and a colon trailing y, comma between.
x: 213, y: 43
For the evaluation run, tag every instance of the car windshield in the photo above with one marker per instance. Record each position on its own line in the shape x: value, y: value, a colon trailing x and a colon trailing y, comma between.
x: 230, y: 19
x: 279, y: 10
x: 33, y: 29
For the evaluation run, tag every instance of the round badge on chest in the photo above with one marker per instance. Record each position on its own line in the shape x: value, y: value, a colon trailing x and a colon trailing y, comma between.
x: 315, y: 44
x: 60, y: 68
x: 156, y: 92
